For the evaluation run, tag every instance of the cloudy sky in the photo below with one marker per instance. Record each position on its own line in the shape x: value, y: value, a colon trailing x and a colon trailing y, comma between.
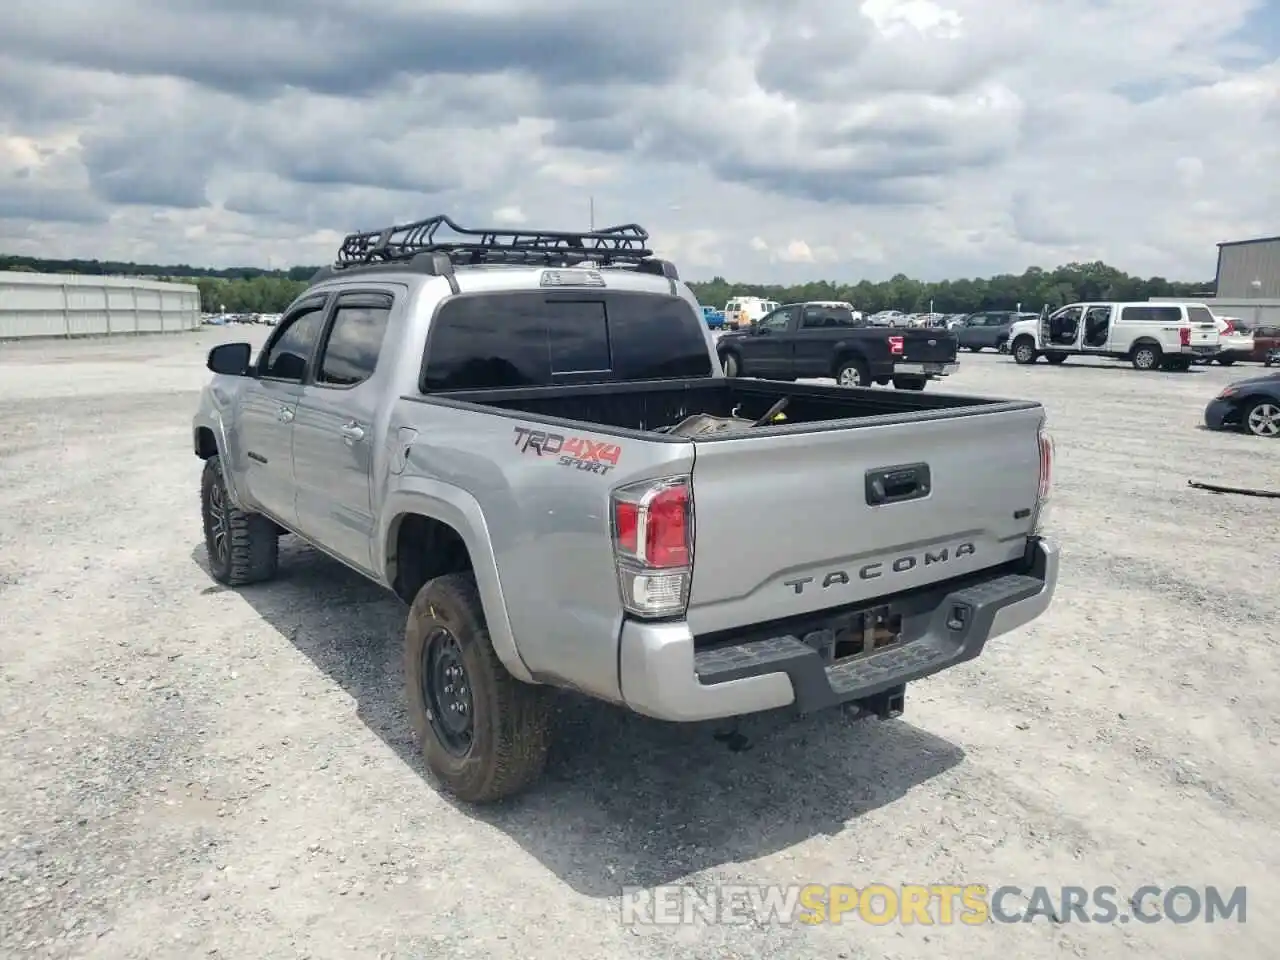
x: 757, y: 139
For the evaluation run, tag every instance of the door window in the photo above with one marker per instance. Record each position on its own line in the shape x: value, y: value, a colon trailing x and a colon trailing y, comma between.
x: 350, y: 353
x: 286, y: 355
x: 817, y: 316
x: 778, y: 321
x: 1097, y: 325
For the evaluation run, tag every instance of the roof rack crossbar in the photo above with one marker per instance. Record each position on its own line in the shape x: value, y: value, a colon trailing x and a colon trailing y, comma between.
x: 625, y: 243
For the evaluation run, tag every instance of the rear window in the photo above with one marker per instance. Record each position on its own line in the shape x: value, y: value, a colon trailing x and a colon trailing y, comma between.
x: 1200, y: 315
x: 1152, y: 314
x: 532, y: 339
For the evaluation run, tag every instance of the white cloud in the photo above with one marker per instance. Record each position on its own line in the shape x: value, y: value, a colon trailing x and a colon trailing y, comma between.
x: 930, y: 137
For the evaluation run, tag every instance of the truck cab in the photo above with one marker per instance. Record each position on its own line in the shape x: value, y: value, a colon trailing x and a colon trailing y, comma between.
x: 1151, y: 336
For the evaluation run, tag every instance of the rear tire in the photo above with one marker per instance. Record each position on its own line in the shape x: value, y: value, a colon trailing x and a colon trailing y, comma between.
x: 1024, y: 350
x: 732, y: 366
x: 1226, y: 361
x: 909, y: 383
x: 974, y: 349
x: 451, y: 674
x: 242, y: 547
x: 853, y: 373
x: 1147, y: 356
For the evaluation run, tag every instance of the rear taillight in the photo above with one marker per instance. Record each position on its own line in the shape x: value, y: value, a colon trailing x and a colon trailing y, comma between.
x: 1046, y: 477
x: 1184, y: 336
x: 653, y: 545
x: 897, y: 345
x: 1230, y: 327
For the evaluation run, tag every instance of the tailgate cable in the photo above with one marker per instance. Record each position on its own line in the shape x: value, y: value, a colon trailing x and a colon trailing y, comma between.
x: 1243, y: 491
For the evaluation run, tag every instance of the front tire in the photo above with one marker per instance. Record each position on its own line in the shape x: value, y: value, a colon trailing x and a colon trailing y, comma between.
x: 1056, y: 358
x: 732, y: 367
x: 1024, y: 350
x: 853, y: 373
x: 242, y: 547
x: 484, y: 733
x: 1262, y: 419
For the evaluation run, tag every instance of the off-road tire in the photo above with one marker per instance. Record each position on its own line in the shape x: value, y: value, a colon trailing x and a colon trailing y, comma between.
x: 249, y: 550
x: 511, y: 719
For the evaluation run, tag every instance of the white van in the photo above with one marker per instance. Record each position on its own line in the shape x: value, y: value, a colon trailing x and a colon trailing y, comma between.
x: 1151, y: 336
x: 743, y: 311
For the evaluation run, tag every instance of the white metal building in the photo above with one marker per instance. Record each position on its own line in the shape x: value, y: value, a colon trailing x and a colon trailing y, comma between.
x: 66, y: 305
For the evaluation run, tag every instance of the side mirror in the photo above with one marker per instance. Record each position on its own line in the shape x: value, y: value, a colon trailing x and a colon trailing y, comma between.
x: 231, y: 359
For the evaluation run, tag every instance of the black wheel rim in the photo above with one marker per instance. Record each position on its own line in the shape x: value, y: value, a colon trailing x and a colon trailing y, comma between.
x: 446, y: 691
x: 217, y: 521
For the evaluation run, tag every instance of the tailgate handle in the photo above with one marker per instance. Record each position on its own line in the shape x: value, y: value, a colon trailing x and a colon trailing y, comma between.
x: 897, y: 484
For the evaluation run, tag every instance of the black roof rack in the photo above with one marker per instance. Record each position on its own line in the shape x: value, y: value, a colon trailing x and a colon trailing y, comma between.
x: 420, y: 248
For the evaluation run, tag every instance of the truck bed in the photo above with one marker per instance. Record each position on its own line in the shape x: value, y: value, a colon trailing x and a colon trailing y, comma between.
x: 788, y: 519
x: 647, y: 406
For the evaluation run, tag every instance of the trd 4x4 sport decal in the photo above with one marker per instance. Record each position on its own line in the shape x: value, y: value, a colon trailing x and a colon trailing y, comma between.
x: 581, y: 452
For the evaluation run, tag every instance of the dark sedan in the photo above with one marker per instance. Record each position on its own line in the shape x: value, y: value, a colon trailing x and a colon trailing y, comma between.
x: 1251, y: 405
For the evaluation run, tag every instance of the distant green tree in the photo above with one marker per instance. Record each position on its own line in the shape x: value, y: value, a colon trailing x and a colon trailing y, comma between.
x: 253, y: 290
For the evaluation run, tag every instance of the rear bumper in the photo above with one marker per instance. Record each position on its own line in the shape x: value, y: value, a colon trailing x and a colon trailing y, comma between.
x: 925, y: 369
x: 663, y: 676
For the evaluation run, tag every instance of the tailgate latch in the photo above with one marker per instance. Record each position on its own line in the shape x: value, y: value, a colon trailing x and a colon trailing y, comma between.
x: 909, y: 481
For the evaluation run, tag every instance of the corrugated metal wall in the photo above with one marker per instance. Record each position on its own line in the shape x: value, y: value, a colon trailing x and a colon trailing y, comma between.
x: 56, y: 305
x: 1240, y: 264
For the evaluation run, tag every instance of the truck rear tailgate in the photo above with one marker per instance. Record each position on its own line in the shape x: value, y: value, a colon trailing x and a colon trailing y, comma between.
x: 783, y: 524
x: 927, y: 345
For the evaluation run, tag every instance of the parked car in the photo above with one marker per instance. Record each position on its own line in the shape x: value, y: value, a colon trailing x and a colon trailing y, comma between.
x: 1272, y: 358
x: 1151, y: 336
x: 1251, y: 405
x: 821, y: 339
x: 492, y: 431
x: 1235, y: 339
x: 742, y: 311
x: 986, y: 330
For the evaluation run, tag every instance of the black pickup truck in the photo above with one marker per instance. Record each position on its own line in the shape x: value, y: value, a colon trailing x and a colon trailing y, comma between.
x: 814, y: 340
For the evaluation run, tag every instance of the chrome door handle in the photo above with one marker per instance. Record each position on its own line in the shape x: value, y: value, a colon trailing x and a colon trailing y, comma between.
x: 285, y: 415
x: 352, y: 432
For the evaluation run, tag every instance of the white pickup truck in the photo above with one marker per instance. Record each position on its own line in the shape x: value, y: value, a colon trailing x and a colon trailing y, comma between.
x: 1151, y: 336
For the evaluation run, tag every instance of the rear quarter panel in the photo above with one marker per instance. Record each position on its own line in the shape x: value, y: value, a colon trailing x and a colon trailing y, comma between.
x: 549, y: 522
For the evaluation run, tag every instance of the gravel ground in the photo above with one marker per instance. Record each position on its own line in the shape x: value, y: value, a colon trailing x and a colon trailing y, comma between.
x: 197, y: 772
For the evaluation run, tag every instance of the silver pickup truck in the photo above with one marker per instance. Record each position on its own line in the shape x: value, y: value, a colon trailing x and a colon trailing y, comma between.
x: 484, y: 425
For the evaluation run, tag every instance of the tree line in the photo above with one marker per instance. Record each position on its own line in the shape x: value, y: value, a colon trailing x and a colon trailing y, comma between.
x: 251, y: 290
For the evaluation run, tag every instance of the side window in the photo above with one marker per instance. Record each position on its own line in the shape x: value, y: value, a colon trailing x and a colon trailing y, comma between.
x: 287, y: 355
x: 355, y: 339
x: 779, y: 319
x: 826, y: 317
x: 1069, y: 314
x: 1154, y: 314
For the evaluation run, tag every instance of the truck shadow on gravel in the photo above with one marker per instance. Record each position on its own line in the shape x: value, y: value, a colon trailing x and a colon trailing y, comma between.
x: 626, y: 800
